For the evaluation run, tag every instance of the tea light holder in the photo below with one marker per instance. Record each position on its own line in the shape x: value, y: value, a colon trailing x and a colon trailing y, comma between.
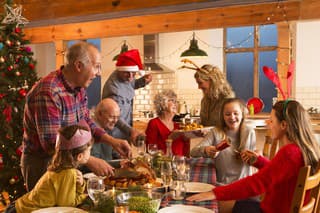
x: 121, y: 209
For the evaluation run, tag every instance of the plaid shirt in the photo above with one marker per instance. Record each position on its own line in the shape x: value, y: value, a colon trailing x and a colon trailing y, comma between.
x: 52, y: 103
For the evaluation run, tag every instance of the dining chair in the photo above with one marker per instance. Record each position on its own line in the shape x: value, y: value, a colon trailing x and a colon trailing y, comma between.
x: 305, y: 183
x: 270, y: 147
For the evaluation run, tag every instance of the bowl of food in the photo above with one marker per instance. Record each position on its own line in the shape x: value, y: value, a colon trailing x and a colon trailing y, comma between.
x: 141, y: 201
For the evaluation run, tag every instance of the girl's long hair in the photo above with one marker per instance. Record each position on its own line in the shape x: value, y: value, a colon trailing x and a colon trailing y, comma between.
x: 299, y: 130
x: 66, y: 159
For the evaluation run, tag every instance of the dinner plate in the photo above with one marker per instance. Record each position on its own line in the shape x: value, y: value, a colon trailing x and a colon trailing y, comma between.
x: 184, y: 209
x: 60, y: 209
x: 196, y: 187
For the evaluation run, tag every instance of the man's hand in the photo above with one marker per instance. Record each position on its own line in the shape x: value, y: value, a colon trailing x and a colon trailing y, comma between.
x: 122, y: 147
x: 99, y: 167
x: 148, y: 78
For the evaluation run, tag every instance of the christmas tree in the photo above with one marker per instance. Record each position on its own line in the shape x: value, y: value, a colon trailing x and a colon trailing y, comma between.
x: 17, y: 75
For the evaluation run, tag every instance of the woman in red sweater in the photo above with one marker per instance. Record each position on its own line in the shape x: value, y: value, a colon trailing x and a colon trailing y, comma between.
x: 161, y: 127
x: 290, y: 124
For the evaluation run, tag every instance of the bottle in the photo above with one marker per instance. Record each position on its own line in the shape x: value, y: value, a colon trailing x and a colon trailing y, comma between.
x: 169, y: 148
x: 251, y: 109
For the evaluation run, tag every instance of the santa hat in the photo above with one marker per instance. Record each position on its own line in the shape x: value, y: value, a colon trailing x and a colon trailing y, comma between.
x: 129, y: 61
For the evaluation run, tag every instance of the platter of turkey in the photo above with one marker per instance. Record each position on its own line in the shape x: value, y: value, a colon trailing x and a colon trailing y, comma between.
x: 133, y: 173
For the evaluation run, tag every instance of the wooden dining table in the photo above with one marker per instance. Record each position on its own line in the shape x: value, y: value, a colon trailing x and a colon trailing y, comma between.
x: 201, y: 170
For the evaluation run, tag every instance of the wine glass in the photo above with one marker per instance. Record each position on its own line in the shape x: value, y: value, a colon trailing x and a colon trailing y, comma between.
x: 152, y: 149
x: 166, y: 173
x: 140, y: 144
x: 95, y: 187
x: 179, y: 166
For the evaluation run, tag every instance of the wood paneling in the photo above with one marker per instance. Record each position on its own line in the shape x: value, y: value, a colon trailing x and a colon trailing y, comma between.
x: 172, y: 22
x: 47, y: 9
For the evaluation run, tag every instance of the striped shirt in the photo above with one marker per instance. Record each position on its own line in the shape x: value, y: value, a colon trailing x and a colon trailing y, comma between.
x: 53, y: 103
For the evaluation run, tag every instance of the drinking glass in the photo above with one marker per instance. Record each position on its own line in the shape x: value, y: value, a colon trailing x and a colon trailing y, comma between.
x: 140, y: 144
x: 179, y: 190
x: 166, y: 174
x: 95, y: 187
x: 152, y: 149
x: 179, y: 165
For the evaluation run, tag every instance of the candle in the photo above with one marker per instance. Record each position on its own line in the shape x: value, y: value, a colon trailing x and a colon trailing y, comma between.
x: 121, y: 209
x: 113, y: 192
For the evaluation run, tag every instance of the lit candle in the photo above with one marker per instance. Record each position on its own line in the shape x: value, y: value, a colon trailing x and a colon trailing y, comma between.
x: 121, y: 209
x: 113, y: 192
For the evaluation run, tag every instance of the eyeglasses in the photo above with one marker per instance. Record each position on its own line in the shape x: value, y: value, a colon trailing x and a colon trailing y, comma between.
x: 97, y: 66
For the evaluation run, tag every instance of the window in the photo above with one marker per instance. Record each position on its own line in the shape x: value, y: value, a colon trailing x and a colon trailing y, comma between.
x: 247, y: 50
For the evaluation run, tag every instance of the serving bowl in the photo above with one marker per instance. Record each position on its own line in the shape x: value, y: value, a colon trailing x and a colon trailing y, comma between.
x: 141, y: 201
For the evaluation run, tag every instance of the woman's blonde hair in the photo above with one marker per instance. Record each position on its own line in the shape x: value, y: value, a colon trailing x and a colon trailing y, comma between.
x: 66, y: 159
x: 161, y: 99
x: 299, y: 130
x: 219, y: 86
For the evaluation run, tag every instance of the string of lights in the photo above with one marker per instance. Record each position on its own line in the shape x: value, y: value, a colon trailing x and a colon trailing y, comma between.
x: 239, y: 44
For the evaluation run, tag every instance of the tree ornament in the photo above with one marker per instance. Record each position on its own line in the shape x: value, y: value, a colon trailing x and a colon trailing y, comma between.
x: 23, y: 92
x: 18, y: 43
x: 8, y: 42
x: 1, y: 161
x: 31, y: 66
x: 17, y: 30
x: 28, y: 49
x: 14, y: 16
x: 18, y: 73
x: 15, y: 109
x: 2, y: 59
x: 10, y: 68
x: 12, y: 181
x: 7, y: 113
x: 1, y: 45
x: 2, y: 95
x: 19, y: 150
x: 26, y: 60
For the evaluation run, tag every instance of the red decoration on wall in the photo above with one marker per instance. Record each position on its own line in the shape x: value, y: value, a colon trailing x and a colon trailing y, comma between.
x: 274, y: 78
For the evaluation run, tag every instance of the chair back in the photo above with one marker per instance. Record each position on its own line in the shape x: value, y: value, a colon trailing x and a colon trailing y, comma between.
x: 270, y: 147
x: 305, y: 183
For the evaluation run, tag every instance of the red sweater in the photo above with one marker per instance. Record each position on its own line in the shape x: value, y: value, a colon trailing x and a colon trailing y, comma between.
x: 157, y: 133
x: 276, y: 178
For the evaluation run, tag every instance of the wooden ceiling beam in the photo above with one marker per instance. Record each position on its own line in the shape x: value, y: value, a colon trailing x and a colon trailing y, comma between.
x: 171, y: 22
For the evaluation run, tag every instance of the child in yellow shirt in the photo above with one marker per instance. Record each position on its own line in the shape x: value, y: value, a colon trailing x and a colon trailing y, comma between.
x: 63, y: 183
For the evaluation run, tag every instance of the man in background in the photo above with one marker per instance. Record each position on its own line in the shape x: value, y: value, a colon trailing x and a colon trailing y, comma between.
x: 121, y: 86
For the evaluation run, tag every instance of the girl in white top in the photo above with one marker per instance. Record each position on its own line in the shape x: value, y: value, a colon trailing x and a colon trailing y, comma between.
x: 232, y: 126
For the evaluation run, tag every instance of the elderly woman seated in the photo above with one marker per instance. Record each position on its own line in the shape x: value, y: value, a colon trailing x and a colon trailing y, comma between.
x: 161, y: 127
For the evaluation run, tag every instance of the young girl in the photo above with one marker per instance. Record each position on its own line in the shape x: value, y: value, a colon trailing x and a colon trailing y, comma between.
x: 229, y: 165
x: 62, y: 184
x: 289, y: 123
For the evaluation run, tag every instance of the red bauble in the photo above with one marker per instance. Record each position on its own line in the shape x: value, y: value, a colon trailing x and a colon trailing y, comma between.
x: 23, y: 92
x: 19, y: 150
x: 17, y: 30
x: 31, y: 66
x: 10, y: 68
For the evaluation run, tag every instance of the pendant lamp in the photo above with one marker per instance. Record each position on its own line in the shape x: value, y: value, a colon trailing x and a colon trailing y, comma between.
x: 193, y: 49
x: 124, y: 48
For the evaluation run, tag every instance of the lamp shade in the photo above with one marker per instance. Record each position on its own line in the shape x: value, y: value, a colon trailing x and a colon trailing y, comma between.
x: 193, y: 49
x: 124, y: 48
